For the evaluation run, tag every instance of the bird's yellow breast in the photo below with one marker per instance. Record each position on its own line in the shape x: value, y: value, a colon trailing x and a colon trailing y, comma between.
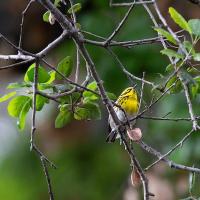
x: 131, y: 106
x: 128, y: 100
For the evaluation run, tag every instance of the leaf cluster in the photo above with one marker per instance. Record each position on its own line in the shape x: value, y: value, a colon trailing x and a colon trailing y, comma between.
x: 183, y: 54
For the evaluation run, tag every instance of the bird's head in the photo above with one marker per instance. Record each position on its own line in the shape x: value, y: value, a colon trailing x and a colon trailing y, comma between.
x: 130, y: 91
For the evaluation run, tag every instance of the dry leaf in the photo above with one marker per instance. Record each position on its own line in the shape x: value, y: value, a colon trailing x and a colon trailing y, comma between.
x: 134, y: 134
x: 135, y: 178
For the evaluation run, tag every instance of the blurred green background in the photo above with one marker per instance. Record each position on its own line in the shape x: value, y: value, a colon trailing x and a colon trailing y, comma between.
x: 88, y: 167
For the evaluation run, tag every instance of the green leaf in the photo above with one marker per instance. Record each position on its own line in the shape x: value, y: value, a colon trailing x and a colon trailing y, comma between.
x: 87, y: 111
x: 18, y: 85
x: 43, y: 75
x: 46, y: 16
x: 188, y: 45
x: 195, y: 26
x: 16, y: 104
x: 169, y: 68
x: 63, y: 118
x: 178, y: 19
x: 57, y: 2
x: 196, y: 56
x: 75, y: 96
x: 7, y: 96
x: 193, y: 89
x: 65, y: 99
x: 81, y: 113
x: 171, y: 53
x: 48, y: 84
x: 166, y: 34
x: 111, y: 96
x: 89, y: 96
x: 22, y: 116
x: 75, y: 8
x: 176, y: 88
x: 40, y: 101
x: 92, y: 86
x: 44, y: 86
x: 64, y: 67
x: 197, y: 81
x: 65, y: 107
x: 52, y: 75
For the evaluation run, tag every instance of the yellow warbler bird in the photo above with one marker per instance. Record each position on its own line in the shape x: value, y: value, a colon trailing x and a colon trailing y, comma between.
x: 127, y: 102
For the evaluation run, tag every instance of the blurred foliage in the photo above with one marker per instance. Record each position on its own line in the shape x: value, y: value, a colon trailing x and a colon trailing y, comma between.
x: 85, y: 171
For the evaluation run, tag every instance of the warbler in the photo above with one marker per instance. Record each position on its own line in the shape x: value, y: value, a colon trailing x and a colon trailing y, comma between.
x: 128, y: 105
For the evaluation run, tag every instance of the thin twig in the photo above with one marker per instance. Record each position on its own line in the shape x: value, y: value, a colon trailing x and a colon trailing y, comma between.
x: 117, y: 29
x: 22, y: 23
x: 16, y: 64
x: 43, y: 161
x: 180, y: 143
x: 128, y: 74
x: 35, y: 83
x: 170, y: 163
x: 129, y: 4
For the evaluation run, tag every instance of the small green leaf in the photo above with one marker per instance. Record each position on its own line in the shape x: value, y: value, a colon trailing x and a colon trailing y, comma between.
x: 75, y: 96
x: 57, y: 2
x: 166, y: 34
x: 81, y: 113
x: 44, y: 86
x: 16, y: 104
x: 193, y: 89
x: 89, y: 96
x: 7, y: 96
x: 65, y: 99
x: 75, y: 8
x: 63, y: 118
x: 177, y: 85
x: 169, y: 68
x: 195, y: 26
x: 43, y: 75
x: 22, y: 116
x: 92, y: 86
x: 40, y: 101
x: 87, y: 111
x: 64, y: 67
x: 111, y: 96
x: 178, y: 19
x: 46, y: 16
x: 188, y: 45
x: 171, y: 53
x: 196, y: 56
x: 18, y: 85
x: 65, y: 107
x: 52, y: 77
x: 197, y: 80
